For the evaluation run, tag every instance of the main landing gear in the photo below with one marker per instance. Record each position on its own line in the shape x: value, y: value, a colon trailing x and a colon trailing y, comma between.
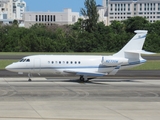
x: 83, y: 78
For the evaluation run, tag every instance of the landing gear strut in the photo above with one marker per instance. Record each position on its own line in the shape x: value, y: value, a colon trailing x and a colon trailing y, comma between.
x: 29, y: 75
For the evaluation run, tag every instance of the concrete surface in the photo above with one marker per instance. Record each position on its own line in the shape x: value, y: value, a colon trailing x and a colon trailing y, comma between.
x: 147, y: 74
x: 64, y: 99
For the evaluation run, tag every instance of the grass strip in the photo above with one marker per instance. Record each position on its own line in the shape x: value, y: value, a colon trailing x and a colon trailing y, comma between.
x: 4, y: 63
x: 149, y: 65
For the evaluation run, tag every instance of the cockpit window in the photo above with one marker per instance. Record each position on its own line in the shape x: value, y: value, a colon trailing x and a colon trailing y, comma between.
x: 28, y: 60
x: 21, y: 60
x: 24, y: 60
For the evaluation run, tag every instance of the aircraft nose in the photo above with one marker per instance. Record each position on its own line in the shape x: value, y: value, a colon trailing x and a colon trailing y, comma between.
x: 9, y: 67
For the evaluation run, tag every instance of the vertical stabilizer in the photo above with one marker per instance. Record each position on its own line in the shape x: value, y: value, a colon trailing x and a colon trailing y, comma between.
x: 135, y: 44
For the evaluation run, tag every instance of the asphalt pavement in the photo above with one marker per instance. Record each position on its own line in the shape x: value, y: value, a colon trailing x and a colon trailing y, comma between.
x: 124, y: 73
x: 63, y: 99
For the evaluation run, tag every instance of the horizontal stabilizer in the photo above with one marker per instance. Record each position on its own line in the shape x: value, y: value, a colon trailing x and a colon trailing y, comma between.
x: 141, y: 31
x: 140, y: 52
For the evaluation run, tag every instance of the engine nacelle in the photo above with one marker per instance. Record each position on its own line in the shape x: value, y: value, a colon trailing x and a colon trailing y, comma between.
x: 113, y: 61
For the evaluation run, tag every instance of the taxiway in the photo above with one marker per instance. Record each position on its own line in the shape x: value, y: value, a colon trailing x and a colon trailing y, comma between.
x: 68, y: 99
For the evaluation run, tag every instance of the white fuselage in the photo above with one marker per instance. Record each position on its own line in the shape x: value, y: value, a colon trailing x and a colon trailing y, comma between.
x: 85, y: 66
x: 58, y: 64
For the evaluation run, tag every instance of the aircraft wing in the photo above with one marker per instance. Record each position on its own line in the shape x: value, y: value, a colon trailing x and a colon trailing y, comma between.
x: 86, y: 73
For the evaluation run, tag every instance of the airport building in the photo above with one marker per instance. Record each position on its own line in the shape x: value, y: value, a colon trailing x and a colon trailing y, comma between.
x: 50, y: 18
x: 124, y: 9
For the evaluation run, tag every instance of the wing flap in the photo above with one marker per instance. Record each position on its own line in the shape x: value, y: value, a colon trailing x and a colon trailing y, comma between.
x: 94, y: 74
x: 115, y: 70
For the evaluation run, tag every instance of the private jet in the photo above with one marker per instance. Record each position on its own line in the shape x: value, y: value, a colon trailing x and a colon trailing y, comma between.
x: 84, y: 66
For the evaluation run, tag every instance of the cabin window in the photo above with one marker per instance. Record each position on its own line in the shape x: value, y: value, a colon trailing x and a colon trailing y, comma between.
x: 67, y: 62
x: 79, y: 62
x: 52, y: 62
x: 71, y: 62
x: 75, y: 62
x: 59, y: 62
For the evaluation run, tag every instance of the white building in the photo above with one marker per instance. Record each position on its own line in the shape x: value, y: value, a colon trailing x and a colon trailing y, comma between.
x: 19, y: 7
x: 11, y: 10
x: 101, y: 12
x: 3, y: 9
x: 50, y: 18
x: 124, y: 9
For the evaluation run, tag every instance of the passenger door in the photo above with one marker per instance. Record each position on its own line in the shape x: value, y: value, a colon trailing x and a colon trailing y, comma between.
x: 37, y: 65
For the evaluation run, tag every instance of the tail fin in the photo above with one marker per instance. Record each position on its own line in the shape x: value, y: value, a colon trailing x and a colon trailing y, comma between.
x: 134, y: 45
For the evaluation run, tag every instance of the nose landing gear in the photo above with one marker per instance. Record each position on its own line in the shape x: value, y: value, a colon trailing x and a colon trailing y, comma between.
x: 29, y: 75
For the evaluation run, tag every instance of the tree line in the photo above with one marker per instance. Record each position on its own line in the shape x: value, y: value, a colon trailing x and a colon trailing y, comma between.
x: 75, y: 38
x: 84, y: 36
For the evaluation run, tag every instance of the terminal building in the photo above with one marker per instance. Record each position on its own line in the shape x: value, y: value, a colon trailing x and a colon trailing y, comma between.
x: 124, y: 9
x: 50, y: 18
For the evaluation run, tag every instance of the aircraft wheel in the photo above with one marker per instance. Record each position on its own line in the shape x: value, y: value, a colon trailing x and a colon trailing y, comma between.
x: 29, y: 75
x: 81, y: 78
x: 86, y: 80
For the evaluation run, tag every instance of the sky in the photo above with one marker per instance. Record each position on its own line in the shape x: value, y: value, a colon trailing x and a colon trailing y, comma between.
x: 56, y: 5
